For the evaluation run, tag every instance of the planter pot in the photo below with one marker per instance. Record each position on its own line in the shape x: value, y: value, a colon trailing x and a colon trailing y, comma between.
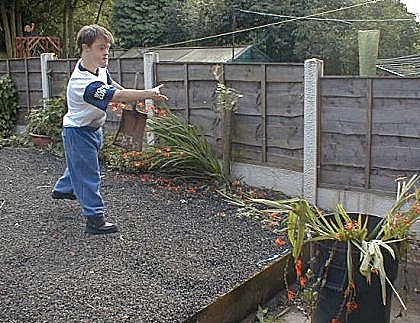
x: 368, y: 297
x: 41, y: 140
x: 131, y: 130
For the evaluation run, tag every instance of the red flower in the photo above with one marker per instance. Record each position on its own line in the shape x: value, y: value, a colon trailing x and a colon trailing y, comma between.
x: 299, y: 268
x: 280, y: 242
x: 348, y: 225
x: 138, y: 164
x: 351, y: 306
x: 302, y: 281
x: 291, y: 295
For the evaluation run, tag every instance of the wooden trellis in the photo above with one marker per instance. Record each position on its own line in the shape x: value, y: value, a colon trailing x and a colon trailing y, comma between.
x: 34, y: 46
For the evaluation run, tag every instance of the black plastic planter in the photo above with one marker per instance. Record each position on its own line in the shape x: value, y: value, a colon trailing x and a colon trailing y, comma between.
x: 332, y: 302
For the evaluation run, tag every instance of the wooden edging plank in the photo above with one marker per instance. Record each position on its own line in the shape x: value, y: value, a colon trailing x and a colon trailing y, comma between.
x: 244, y: 299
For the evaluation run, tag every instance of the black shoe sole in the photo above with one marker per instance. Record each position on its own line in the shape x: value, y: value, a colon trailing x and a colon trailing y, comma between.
x: 93, y: 230
x: 63, y: 196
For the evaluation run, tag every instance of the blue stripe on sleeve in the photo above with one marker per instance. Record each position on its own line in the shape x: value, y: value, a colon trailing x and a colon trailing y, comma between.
x: 99, y: 94
x: 108, y: 78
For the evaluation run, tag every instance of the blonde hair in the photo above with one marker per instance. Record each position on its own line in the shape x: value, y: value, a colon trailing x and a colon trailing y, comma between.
x: 88, y: 34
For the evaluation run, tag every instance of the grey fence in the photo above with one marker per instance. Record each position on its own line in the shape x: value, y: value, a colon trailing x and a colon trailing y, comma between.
x: 268, y: 126
x: 369, y: 129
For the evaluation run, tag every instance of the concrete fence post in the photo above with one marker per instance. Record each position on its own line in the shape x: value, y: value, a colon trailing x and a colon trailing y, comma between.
x: 46, y: 86
x: 149, y: 64
x: 313, y: 70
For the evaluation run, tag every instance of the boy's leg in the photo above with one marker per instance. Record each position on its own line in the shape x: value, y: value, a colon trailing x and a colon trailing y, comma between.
x: 63, y: 189
x: 82, y: 150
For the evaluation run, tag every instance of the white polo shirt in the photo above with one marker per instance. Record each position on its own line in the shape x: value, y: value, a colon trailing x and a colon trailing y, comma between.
x: 88, y: 96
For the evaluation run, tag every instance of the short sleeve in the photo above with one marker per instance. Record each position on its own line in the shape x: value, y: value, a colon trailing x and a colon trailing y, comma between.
x: 99, y: 94
x: 108, y: 78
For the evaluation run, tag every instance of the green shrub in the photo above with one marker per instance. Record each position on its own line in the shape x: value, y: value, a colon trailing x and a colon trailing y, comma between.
x: 48, y: 120
x: 180, y: 148
x: 8, y: 106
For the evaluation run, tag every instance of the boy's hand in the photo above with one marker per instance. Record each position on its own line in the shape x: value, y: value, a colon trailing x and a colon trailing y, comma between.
x: 157, y: 95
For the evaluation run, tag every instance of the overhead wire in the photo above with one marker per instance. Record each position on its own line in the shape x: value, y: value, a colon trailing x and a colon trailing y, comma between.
x: 346, y: 21
x: 266, y: 25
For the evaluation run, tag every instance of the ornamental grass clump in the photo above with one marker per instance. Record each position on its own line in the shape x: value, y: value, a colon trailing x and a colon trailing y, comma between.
x: 179, y: 148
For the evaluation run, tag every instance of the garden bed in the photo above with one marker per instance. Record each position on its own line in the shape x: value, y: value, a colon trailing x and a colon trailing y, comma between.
x: 178, y: 250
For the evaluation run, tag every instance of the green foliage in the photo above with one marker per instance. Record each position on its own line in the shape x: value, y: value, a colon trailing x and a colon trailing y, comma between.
x: 180, y: 148
x: 16, y: 140
x: 114, y: 155
x: 140, y: 22
x: 227, y: 98
x: 48, y: 120
x: 184, y: 146
x: 337, y: 43
x: 8, y: 106
x: 308, y: 223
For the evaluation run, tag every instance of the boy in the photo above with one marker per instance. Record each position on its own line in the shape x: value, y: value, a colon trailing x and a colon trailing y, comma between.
x: 89, y: 91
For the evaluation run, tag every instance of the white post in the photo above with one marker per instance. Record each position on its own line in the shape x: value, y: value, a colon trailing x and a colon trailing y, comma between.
x: 313, y: 71
x: 45, y: 57
x: 149, y: 62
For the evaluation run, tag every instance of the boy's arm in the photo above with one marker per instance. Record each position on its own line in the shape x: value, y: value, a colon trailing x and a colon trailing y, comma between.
x: 117, y: 85
x: 132, y: 95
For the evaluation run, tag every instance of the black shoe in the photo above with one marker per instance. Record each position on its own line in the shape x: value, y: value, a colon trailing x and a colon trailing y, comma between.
x: 98, y: 225
x: 63, y: 196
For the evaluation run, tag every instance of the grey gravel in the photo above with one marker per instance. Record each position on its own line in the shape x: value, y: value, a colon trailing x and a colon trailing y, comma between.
x: 174, y: 255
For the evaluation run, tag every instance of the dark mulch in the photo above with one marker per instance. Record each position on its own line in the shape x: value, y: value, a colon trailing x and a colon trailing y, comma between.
x: 176, y: 252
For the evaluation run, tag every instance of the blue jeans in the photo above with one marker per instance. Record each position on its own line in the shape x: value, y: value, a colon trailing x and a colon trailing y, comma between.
x: 82, y: 175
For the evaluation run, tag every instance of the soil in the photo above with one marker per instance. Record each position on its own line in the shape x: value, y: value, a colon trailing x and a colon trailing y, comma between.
x: 177, y: 250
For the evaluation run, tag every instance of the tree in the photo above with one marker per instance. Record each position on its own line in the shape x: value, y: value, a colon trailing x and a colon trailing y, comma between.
x: 337, y: 44
x: 60, y: 18
x: 139, y: 22
x: 11, y: 12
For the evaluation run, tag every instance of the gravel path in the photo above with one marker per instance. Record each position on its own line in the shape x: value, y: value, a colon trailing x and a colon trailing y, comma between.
x: 174, y: 254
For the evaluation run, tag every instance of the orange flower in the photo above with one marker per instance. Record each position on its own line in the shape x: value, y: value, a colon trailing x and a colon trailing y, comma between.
x: 299, y: 268
x: 280, y: 242
x: 303, y: 281
x: 137, y: 164
x: 158, y: 151
x: 356, y: 225
x: 350, y: 290
x: 168, y: 149
x: 416, y: 208
x: 351, y: 306
x: 348, y: 225
x: 291, y: 295
x: 167, y: 155
x: 274, y: 215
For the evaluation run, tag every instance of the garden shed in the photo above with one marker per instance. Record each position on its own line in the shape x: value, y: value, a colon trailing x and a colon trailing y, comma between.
x: 242, y: 54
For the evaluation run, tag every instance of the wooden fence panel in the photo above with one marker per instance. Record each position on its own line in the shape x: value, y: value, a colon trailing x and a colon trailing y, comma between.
x: 261, y: 122
x: 269, y: 122
x: 61, y: 70
x: 369, y: 127
x: 343, y: 125
x: 368, y: 131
